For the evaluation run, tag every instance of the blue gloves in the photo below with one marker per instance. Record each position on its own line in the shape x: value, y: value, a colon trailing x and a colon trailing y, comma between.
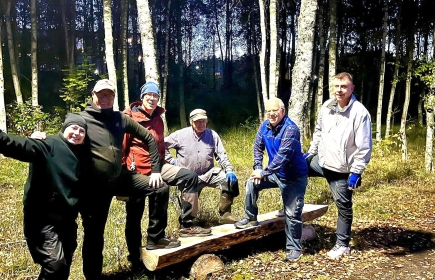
x: 308, y: 157
x: 354, y: 181
x: 174, y: 163
x: 231, y: 177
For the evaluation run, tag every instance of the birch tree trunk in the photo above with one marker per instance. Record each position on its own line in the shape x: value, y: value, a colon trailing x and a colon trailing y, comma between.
x: 332, y: 43
x: 34, y: 52
x: 302, y: 71
x: 319, y: 96
x: 264, y: 80
x: 3, y: 125
x: 165, y: 67
x: 403, y: 137
x: 381, y: 76
x: 180, y: 64
x: 108, y: 39
x: 430, y: 122
x: 273, y: 65
x: 124, y: 39
x: 395, y: 78
x: 11, y: 48
x: 147, y: 40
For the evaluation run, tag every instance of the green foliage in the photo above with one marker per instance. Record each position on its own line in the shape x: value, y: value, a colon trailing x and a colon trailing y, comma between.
x: 386, y: 146
x: 24, y: 118
x: 75, y: 90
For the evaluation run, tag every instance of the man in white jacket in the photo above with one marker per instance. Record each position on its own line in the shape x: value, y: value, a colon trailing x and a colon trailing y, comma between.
x: 340, y: 151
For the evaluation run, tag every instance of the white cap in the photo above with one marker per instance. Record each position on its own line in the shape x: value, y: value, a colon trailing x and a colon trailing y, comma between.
x: 104, y: 84
x: 198, y: 114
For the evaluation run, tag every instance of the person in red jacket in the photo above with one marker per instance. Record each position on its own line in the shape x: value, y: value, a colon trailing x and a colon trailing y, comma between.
x: 136, y: 158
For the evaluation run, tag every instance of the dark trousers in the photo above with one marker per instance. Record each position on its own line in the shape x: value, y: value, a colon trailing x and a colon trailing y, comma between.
x: 95, y: 209
x: 185, y: 179
x: 342, y: 198
x: 51, y: 244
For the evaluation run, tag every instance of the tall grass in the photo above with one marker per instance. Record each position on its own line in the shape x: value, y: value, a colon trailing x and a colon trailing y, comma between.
x: 382, y: 181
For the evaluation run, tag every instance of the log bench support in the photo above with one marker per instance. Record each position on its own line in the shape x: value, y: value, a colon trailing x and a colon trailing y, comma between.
x: 223, y: 236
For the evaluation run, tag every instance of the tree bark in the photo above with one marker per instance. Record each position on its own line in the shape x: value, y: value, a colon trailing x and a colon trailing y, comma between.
x: 165, y: 67
x: 124, y: 42
x: 66, y: 33
x: 3, y: 125
x: 302, y: 71
x: 12, y: 58
x: 147, y: 40
x: 180, y: 65
x: 264, y: 80
x: 382, y: 75
x: 34, y: 52
x: 403, y: 137
x: 273, y: 63
x: 319, y: 95
x: 332, y: 43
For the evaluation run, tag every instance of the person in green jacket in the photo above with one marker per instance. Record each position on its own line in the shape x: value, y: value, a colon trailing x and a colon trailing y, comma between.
x: 51, y: 193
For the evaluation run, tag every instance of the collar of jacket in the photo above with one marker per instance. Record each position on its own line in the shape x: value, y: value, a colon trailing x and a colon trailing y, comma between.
x: 140, y: 114
x: 278, y: 127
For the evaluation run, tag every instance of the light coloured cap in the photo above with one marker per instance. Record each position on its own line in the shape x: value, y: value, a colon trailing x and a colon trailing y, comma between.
x: 104, y: 84
x: 198, y: 114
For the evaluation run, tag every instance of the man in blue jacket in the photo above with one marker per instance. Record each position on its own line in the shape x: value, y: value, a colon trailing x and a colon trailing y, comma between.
x: 286, y: 170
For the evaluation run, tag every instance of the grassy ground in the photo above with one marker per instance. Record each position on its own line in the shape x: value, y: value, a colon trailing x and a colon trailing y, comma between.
x: 392, y: 231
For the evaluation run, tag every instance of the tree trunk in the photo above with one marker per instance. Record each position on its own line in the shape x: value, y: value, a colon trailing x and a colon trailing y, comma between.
x: 108, y: 39
x: 430, y: 124
x: 403, y: 137
x: 124, y: 42
x: 420, y: 107
x: 34, y: 52
x: 273, y: 65
x: 264, y: 81
x: 2, y: 86
x: 332, y: 43
x: 382, y: 75
x: 165, y: 67
x: 11, y: 48
x: 302, y: 71
x: 395, y: 78
x: 180, y: 65
x: 319, y: 96
x: 147, y: 40
x: 65, y: 30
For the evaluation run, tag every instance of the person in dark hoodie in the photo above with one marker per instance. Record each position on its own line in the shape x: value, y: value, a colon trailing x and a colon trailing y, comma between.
x: 105, y: 177
x: 51, y: 193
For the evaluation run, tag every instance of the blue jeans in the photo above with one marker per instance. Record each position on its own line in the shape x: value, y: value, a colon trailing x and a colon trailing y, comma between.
x: 292, y: 192
x: 342, y: 198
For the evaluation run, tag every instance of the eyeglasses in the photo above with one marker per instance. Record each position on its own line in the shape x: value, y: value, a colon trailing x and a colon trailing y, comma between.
x: 274, y: 112
x: 102, y: 95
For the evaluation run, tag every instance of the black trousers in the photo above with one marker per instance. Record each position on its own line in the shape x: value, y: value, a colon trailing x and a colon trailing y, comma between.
x: 51, y: 243
x: 95, y: 209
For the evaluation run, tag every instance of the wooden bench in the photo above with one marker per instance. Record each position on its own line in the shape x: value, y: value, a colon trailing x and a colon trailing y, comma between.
x: 223, y: 236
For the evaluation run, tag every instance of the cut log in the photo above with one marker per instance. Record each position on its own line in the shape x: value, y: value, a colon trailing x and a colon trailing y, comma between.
x: 205, y: 265
x: 222, y: 237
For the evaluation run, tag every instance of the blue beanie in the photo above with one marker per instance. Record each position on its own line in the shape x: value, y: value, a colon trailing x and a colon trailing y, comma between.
x: 149, y: 87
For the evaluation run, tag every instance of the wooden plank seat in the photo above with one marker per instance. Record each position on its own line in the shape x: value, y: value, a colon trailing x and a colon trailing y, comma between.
x: 223, y: 236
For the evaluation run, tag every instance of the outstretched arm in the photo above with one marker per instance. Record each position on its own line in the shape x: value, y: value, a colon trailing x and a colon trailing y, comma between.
x: 21, y: 148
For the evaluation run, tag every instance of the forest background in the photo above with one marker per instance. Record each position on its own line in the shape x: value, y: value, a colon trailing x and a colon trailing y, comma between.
x: 228, y: 57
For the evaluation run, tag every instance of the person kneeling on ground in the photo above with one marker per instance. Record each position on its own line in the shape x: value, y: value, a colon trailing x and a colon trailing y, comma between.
x: 196, y: 148
x: 286, y: 170
x: 51, y: 193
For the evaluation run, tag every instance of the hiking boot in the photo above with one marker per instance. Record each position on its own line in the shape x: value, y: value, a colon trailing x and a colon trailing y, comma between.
x: 337, y: 251
x: 280, y: 213
x: 228, y: 218
x: 163, y: 243
x: 194, y: 231
x: 293, y: 255
x: 246, y: 223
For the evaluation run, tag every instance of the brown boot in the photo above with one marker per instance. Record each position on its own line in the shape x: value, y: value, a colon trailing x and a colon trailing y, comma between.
x: 225, y: 209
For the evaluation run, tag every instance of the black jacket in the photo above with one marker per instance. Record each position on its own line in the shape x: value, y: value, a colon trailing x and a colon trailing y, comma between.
x: 106, y: 129
x: 52, y: 187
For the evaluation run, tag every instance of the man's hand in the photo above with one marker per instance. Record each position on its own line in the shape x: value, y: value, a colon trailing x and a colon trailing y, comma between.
x: 231, y: 177
x: 155, y: 180
x: 308, y: 157
x: 354, y: 181
x: 256, y: 176
x: 38, y: 135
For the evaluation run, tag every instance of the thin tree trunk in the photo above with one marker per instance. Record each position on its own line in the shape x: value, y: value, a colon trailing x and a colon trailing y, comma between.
x: 273, y: 65
x: 124, y: 42
x: 108, y: 39
x: 264, y: 82
x: 12, y: 58
x: 332, y: 43
x: 302, y: 71
x: 166, y: 64
x: 65, y: 30
x: 382, y: 76
x: 403, y: 137
x: 395, y: 78
x: 180, y: 65
x: 3, y: 125
x: 34, y: 52
x: 319, y: 96
x: 430, y: 122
